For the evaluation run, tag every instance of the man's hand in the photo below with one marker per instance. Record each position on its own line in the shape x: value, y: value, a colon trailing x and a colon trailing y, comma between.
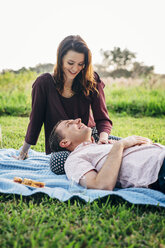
x: 111, y: 141
x: 134, y: 140
x: 107, y: 176
x: 106, y: 141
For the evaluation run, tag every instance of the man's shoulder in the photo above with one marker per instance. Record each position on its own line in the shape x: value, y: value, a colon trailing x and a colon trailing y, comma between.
x: 74, y: 158
x: 79, y: 151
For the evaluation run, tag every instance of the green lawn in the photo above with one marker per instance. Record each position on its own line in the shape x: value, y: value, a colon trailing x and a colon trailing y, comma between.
x: 142, y: 99
x: 39, y: 221
x: 14, y: 129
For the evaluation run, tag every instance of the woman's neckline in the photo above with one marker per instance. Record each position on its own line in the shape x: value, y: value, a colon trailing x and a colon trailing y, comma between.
x: 66, y: 97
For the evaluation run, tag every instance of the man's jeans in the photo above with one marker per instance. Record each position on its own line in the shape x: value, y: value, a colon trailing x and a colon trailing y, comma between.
x: 160, y: 183
x: 161, y: 177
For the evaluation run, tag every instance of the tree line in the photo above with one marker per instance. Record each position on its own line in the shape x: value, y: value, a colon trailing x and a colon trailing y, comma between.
x: 115, y: 63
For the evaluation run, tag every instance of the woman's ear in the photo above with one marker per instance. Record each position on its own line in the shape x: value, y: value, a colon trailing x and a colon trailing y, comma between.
x: 64, y: 143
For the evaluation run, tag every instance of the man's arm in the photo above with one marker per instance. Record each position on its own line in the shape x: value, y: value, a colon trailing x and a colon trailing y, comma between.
x: 106, y: 178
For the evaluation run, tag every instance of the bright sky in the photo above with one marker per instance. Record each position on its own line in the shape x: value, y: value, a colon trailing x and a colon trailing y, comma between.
x: 30, y: 30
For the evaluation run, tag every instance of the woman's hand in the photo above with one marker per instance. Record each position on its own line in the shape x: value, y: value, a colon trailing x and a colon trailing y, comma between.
x: 24, y: 152
x: 103, y: 138
x: 22, y: 156
x: 103, y: 141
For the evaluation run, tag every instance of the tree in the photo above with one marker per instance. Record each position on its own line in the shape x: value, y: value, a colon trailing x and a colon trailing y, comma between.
x: 42, y: 68
x: 117, y: 58
x: 101, y: 70
x: 141, y: 70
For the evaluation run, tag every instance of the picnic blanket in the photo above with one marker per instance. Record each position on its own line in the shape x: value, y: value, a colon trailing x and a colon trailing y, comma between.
x: 36, y: 167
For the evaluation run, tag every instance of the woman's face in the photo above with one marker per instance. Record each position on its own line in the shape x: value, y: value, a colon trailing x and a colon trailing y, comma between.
x: 73, y: 63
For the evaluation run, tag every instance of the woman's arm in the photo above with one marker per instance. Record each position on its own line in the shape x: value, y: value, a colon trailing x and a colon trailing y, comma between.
x: 37, y: 116
x: 24, y: 152
x: 100, y: 113
x: 103, y: 138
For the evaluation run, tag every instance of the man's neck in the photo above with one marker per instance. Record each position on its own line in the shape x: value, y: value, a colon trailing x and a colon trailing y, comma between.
x: 73, y: 146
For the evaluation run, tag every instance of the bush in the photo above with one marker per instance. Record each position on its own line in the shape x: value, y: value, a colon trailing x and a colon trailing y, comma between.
x: 120, y: 73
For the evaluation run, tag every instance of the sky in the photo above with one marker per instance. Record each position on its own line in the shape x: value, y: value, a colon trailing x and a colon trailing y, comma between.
x: 31, y: 30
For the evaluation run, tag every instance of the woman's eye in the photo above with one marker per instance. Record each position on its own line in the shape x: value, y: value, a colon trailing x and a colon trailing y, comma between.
x: 70, y: 63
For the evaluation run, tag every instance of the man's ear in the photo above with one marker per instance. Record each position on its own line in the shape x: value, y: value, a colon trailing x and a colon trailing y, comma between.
x: 64, y: 143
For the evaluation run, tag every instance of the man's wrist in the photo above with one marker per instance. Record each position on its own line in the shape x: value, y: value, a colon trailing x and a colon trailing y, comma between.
x: 120, y: 143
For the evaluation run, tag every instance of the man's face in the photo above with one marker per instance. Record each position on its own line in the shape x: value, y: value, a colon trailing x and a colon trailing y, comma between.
x: 74, y: 131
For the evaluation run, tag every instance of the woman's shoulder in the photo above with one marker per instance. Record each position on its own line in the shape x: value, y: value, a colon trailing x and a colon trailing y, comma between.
x: 43, y: 80
x: 97, y: 77
x: 99, y: 82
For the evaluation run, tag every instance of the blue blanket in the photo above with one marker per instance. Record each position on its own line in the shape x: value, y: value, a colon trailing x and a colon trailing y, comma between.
x: 36, y: 167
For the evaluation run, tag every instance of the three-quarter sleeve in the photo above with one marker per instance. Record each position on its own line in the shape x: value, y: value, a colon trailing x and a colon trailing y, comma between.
x: 99, y: 109
x: 37, y: 115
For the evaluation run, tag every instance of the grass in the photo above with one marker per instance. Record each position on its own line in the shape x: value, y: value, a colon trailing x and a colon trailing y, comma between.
x: 15, y: 93
x: 39, y: 221
x: 44, y: 222
x: 14, y: 129
x: 136, y: 97
x: 135, y: 101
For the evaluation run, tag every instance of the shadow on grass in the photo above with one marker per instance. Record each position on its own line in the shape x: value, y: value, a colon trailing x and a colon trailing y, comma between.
x: 112, y: 200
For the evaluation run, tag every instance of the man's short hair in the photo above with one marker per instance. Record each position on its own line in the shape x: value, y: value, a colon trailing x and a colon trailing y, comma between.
x: 55, y: 139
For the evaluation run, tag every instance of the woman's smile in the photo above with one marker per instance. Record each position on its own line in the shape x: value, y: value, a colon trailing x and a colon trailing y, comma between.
x: 72, y: 73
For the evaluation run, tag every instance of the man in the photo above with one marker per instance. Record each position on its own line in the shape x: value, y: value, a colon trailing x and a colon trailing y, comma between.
x: 130, y: 162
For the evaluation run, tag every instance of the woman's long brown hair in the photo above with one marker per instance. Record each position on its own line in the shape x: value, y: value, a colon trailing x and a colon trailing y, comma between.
x: 84, y: 82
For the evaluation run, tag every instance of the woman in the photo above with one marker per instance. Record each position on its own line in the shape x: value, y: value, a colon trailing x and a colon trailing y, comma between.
x: 71, y: 92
